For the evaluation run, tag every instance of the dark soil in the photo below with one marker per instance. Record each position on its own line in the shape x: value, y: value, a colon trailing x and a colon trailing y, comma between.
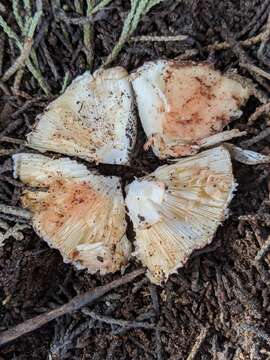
x: 221, y: 289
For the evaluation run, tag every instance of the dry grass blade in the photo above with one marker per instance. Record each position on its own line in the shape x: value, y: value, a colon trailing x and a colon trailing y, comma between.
x: 75, y: 304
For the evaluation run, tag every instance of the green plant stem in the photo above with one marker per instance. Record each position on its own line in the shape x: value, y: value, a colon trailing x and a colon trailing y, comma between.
x: 100, y: 6
x: 88, y: 32
x: 138, y: 9
x: 35, y: 72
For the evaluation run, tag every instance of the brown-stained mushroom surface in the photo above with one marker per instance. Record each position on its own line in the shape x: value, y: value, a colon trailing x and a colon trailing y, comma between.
x: 187, y: 103
x: 76, y: 211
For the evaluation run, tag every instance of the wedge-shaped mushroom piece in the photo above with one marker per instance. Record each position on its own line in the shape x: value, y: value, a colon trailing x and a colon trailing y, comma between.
x: 75, y: 211
x: 178, y: 208
x: 184, y: 106
x: 94, y: 119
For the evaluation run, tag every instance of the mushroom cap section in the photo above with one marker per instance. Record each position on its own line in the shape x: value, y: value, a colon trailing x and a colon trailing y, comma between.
x: 182, y: 104
x: 80, y: 213
x: 93, y: 119
x: 178, y: 208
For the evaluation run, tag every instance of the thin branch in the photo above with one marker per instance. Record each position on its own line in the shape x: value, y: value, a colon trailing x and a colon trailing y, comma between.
x: 198, y: 343
x: 18, y: 18
x: 244, y: 59
x: 82, y: 20
x: 245, y: 43
x: 30, y: 103
x: 75, y: 304
x: 261, y: 110
x: 4, y: 88
x: 262, y: 135
x: 100, y: 6
x: 149, y: 38
x: 2, y: 50
x: 119, y: 322
x: 88, y: 36
x: 28, y: 17
x: 255, y: 69
x: 35, y: 72
x: 20, y: 61
x: 34, y: 23
x: 65, y: 82
x: 260, y: 14
x: 88, y: 31
x: 17, y: 81
x: 11, y: 210
x: 138, y: 9
x: 255, y: 330
x: 7, y: 152
x: 260, y: 52
x: 265, y: 249
x: 11, y: 140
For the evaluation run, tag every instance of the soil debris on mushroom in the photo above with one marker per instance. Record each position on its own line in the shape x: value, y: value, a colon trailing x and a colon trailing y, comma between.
x: 93, y: 119
x: 184, y: 106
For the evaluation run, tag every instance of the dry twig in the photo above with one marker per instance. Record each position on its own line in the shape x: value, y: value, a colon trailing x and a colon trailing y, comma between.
x: 255, y: 69
x: 261, y: 110
x: 14, y: 232
x: 75, y: 304
x: 259, y: 261
x: 11, y: 210
x: 265, y: 249
x: 198, y: 343
x: 11, y: 140
x: 245, y: 43
x: 122, y: 323
x: 266, y: 33
x: 255, y: 330
x: 262, y: 135
x: 149, y: 38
